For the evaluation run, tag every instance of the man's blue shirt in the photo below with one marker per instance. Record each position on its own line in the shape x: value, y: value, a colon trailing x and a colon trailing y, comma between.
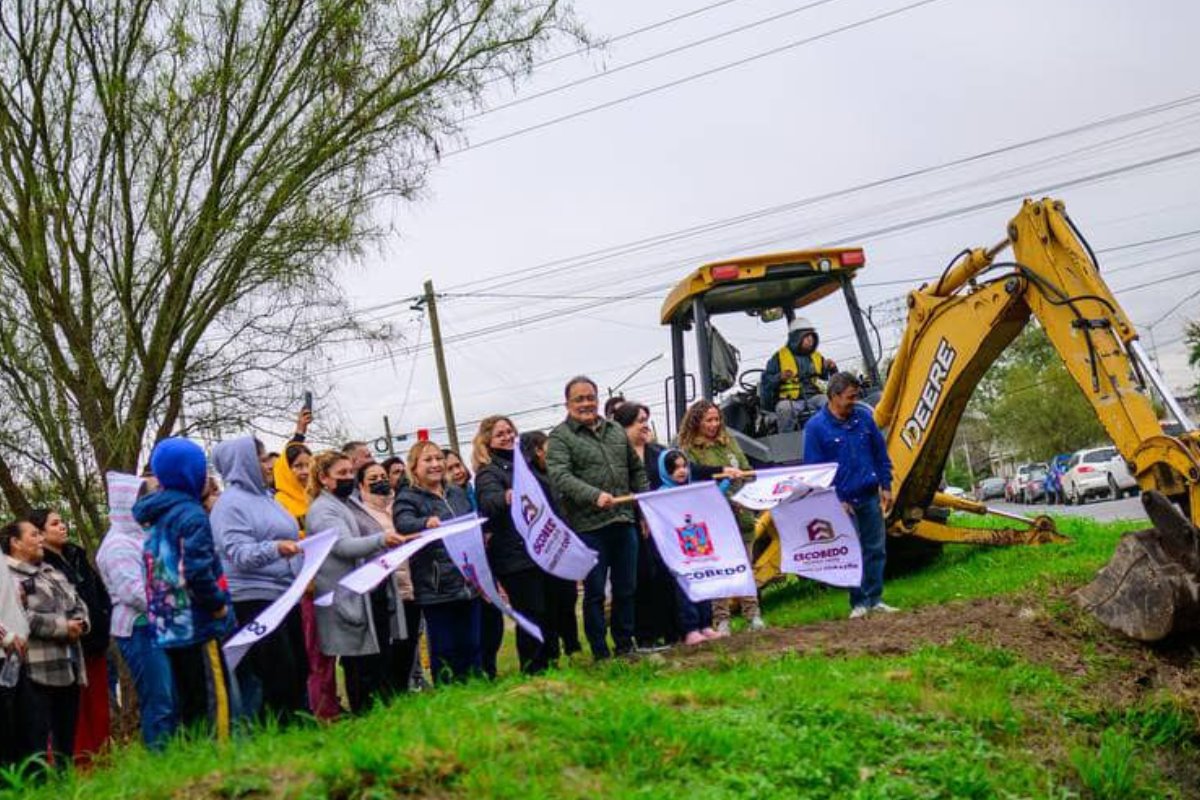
x: 858, y: 448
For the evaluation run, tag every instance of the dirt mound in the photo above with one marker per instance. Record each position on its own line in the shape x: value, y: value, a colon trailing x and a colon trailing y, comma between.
x: 1046, y: 631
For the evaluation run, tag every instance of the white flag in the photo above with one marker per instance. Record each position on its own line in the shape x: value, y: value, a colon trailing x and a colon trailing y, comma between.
x: 771, y: 486
x: 817, y: 539
x: 376, y: 570
x: 548, y: 540
x: 698, y: 538
x: 315, y: 549
x: 467, y: 551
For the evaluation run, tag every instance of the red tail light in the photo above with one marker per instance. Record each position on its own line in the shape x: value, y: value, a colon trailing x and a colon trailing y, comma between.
x: 854, y: 258
x: 1087, y: 469
x: 422, y: 434
x: 727, y: 272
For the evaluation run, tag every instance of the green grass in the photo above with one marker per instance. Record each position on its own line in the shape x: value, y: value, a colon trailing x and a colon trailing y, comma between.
x: 961, y: 720
x: 965, y: 572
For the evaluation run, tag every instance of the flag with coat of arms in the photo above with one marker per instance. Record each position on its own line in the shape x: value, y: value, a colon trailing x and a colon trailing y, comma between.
x: 699, y: 541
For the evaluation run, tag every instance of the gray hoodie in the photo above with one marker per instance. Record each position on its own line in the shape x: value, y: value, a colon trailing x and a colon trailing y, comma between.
x: 247, y: 524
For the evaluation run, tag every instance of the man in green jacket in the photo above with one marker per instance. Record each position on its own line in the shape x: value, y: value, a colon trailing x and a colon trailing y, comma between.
x: 590, y: 464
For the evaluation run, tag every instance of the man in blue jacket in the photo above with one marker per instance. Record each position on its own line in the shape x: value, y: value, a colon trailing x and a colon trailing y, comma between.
x: 845, y: 432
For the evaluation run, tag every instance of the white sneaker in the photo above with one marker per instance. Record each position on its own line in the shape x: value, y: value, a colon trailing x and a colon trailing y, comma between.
x: 884, y: 608
x: 757, y: 624
x: 722, y: 628
x: 859, y: 612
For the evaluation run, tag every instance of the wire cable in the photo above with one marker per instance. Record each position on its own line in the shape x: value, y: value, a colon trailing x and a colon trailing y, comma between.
x: 688, y: 78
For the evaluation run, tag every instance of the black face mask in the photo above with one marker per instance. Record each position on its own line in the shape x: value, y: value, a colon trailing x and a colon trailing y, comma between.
x: 382, y: 487
x: 344, y: 488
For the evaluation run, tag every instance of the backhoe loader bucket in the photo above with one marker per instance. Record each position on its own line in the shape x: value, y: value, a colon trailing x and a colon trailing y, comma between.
x: 1150, y: 588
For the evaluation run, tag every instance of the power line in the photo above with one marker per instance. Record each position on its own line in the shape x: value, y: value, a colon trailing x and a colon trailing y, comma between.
x: 688, y: 78
x: 908, y: 225
x: 625, y: 248
x: 646, y: 60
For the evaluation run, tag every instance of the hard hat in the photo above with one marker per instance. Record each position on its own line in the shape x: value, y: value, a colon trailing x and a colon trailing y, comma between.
x: 800, y: 324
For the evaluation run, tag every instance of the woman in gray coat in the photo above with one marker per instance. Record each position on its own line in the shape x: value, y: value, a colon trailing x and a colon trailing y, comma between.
x: 346, y: 628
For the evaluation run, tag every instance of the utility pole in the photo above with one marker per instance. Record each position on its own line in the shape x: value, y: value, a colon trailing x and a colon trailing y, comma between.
x: 387, y: 431
x: 440, y: 358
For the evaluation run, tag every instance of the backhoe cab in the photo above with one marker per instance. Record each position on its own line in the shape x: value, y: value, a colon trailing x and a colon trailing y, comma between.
x: 771, y: 287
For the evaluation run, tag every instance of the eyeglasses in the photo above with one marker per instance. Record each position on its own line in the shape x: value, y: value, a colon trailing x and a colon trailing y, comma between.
x: 583, y: 398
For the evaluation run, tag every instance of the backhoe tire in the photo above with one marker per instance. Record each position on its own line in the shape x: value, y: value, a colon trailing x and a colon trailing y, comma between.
x: 908, y: 554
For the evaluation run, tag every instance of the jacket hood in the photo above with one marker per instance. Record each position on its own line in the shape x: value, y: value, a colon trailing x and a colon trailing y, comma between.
x: 288, y: 489
x: 150, y: 508
x: 122, y: 494
x: 664, y: 474
x: 180, y: 464
x: 237, y: 462
x: 795, y: 335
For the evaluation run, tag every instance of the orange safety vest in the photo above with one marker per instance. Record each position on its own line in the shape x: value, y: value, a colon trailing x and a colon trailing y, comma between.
x: 790, y: 388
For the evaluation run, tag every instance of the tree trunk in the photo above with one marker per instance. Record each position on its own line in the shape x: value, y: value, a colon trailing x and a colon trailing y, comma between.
x: 1150, y: 589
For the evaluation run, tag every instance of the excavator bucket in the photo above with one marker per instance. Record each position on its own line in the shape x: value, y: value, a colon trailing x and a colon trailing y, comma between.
x: 1150, y: 589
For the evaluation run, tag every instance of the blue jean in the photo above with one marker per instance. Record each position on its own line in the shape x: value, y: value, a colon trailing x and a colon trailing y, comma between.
x: 616, y: 545
x: 691, y: 616
x: 872, y: 538
x: 454, y: 632
x: 151, y: 671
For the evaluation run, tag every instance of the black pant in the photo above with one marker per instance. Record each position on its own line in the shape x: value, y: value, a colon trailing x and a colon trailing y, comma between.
x: 202, y: 686
x: 365, y: 680
x: 654, y: 602
x: 396, y: 655
x: 491, y: 636
x: 277, y: 663
x: 562, y: 596
x: 404, y: 652
x: 12, y: 742
x: 527, y: 592
x: 49, y: 714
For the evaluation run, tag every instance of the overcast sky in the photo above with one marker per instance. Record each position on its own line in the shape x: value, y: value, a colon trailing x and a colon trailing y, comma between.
x: 925, y: 86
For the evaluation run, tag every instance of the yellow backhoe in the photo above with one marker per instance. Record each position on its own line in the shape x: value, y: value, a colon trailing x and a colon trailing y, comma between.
x: 957, y: 327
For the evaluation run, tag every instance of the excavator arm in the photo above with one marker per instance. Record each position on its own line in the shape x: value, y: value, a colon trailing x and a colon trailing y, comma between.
x: 957, y: 328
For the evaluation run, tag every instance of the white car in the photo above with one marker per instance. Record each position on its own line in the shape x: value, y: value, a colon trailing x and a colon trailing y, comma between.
x: 1096, y: 472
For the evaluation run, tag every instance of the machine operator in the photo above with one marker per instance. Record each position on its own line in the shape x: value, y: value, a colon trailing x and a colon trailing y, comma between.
x: 793, y: 383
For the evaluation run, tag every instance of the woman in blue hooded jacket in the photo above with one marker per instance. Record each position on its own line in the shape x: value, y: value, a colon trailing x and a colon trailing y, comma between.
x: 257, y: 539
x: 191, y: 617
x: 694, y: 619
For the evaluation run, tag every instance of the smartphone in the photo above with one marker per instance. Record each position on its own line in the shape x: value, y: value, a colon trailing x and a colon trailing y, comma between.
x: 307, y: 406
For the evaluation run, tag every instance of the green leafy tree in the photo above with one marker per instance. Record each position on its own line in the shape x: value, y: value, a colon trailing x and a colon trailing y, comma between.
x: 177, y: 178
x: 1191, y: 336
x: 1032, y: 405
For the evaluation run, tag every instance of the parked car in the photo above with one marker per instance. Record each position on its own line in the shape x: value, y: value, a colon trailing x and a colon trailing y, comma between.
x: 954, y: 491
x: 989, y: 488
x: 1014, y: 492
x: 1097, y: 472
x: 1034, y: 487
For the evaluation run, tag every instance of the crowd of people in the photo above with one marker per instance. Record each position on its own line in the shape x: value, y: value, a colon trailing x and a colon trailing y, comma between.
x: 193, y: 554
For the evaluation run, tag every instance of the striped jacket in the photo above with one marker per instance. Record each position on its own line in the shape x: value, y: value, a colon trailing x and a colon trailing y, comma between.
x: 50, y: 602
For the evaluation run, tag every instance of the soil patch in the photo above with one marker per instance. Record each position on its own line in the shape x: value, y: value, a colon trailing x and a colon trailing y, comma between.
x: 1045, y: 631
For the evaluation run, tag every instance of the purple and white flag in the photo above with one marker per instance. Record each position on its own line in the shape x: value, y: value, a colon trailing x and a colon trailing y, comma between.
x: 376, y: 570
x: 817, y: 538
x: 699, y: 540
x: 467, y: 551
x: 315, y: 549
x: 772, y: 486
x: 550, y: 543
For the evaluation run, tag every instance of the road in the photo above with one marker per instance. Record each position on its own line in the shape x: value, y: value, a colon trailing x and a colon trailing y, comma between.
x: 1100, y: 510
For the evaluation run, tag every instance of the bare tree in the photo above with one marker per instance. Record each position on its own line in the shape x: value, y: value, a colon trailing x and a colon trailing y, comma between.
x: 177, y: 178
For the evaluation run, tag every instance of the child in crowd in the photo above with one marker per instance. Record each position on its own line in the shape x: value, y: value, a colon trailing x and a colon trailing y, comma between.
x: 694, y: 619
